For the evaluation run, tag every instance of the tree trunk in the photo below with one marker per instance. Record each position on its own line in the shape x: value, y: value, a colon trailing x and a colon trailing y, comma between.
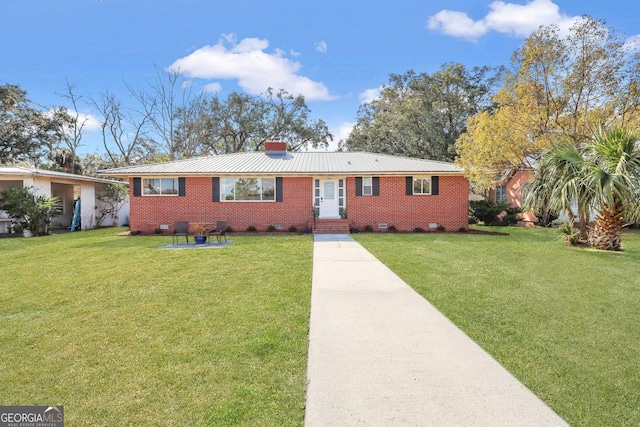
x: 605, y: 234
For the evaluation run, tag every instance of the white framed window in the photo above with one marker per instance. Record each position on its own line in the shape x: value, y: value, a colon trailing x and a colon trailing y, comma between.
x: 248, y: 189
x: 501, y: 194
x: 160, y: 186
x: 367, y: 186
x: 421, y: 185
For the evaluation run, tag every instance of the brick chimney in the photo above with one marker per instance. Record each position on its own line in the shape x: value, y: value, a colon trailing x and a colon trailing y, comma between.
x: 275, y: 147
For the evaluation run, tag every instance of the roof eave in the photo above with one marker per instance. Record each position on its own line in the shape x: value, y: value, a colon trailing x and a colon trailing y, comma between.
x: 298, y: 174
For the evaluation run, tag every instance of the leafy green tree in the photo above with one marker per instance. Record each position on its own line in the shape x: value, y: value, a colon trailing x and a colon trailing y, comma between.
x: 422, y: 115
x: 243, y: 123
x: 62, y: 160
x: 561, y: 88
x: 92, y: 163
x: 26, y: 133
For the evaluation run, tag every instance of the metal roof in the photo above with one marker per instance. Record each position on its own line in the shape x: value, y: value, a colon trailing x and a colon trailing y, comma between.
x: 22, y: 171
x: 281, y: 163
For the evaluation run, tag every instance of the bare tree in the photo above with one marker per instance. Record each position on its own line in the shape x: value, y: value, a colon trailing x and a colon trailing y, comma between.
x: 123, y: 131
x: 167, y: 102
x: 74, y: 124
x: 192, y: 133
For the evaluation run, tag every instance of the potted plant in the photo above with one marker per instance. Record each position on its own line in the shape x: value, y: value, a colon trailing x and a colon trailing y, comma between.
x: 200, y: 232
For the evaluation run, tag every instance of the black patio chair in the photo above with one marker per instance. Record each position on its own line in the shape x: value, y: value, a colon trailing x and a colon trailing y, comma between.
x: 220, y: 231
x: 180, y: 228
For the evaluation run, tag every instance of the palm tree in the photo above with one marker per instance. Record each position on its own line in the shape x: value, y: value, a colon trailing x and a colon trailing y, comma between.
x: 603, y: 174
x: 558, y: 185
x: 613, y: 174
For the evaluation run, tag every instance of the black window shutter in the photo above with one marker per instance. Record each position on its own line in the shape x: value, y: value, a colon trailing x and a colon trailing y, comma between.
x: 181, y: 186
x: 278, y: 189
x: 137, y: 187
x: 215, y: 188
x: 409, y: 181
x: 375, y: 183
x: 358, y: 186
x: 435, y: 184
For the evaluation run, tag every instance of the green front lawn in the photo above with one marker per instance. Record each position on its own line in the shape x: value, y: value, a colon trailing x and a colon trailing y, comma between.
x: 563, y: 320
x: 123, y: 333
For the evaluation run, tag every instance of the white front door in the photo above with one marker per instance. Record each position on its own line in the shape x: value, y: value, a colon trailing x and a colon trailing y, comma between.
x: 329, y: 207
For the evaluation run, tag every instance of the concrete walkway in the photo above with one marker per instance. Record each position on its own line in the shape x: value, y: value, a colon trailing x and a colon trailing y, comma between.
x: 381, y: 355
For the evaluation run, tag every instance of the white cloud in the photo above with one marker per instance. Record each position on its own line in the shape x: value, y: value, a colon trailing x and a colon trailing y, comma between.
x: 507, y: 18
x: 214, y: 87
x: 370, y: 95
x: 91, y: 122
x: 254, y: 69
x: 88, y: 121
x: 321, y: 46
x: 344, y: 129
x: 632, y: 45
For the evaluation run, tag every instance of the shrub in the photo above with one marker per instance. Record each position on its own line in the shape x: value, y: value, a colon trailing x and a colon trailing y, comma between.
x: 354, y: 230
x: 368, y: 228
x: 569, y: 234
x: 292, y: 229
x: 113, y: 198
x: 440, y: 228
x: 251, y: 229
x: 493, y: 213
x: 462, y: 230
x: 229, y: 229
x: 418, y: 230
x: 392, y: 229
x: 36, y: 212
x: 473, y: 219
x: 158, y: 230
x: 271, y: 228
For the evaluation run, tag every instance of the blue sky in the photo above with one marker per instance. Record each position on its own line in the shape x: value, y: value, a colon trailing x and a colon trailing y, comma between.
x: 336, y: 53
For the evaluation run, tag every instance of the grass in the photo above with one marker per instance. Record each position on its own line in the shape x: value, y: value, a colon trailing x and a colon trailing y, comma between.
x: 115, y: 329
x: 563, y: 320
x: 122, y: 333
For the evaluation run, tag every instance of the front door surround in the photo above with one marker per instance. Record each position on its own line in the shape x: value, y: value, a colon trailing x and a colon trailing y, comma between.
x: 328, y: 196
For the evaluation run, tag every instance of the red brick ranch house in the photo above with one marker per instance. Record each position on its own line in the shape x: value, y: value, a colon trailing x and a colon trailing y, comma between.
x: 283, y: 189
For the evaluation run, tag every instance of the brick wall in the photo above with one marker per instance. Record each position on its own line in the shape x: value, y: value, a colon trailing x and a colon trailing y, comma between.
x: 450, y: 208
x: 392, y: 206
x: 514, y: 188
x: 149, y: 212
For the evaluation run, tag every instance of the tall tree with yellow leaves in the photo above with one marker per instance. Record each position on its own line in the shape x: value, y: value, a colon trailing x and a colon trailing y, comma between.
x: 561, y: 87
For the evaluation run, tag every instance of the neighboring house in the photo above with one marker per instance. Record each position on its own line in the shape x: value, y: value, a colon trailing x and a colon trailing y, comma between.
x: 282, y: 189
x: 68, y: 188
x: 511, y: 189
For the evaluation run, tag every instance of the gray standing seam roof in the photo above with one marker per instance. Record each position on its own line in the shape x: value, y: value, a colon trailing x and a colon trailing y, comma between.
x: 314, y: 163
